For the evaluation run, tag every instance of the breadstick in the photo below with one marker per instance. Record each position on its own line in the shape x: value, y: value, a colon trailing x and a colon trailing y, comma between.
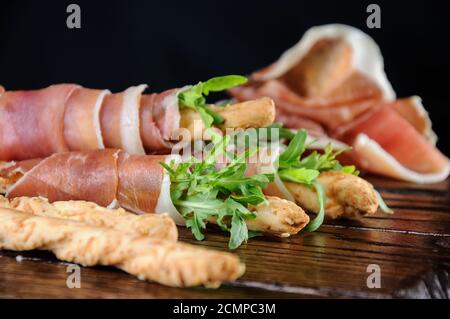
x: 249, y: 114
x: 280, y: 218
x: 347, y: 195
x: 158, y: 226
x: 171, y: 264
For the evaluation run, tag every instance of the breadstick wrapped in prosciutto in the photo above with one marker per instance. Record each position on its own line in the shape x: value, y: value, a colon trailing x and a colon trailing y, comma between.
x: 68, y: 117
x: 158, y: 226
x: 168, y: 263
x: 318, y: 182
x: 192, y: 192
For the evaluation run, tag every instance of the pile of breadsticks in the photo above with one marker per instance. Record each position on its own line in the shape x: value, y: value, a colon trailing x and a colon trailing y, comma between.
x: 142, y: 245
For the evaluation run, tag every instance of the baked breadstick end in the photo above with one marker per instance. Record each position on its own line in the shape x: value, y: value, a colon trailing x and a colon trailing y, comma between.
x: 249, y: 114
x: 348, y: 195
x: 171, y: 264
x: 281, y: 218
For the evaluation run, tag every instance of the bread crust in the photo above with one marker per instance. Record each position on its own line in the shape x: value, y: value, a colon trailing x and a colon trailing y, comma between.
x: 158, y: 226
x: 348, y: 195
x: 168, y: 263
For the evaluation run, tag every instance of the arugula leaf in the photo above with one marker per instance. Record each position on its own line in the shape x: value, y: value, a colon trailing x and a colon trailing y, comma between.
x: 385, y: 208
x: 239, y: 231
x: 295, y: 149
x: 194, y: 97
x: 206, y: 117
x: 350, y: 169
x: 196, y: 224
x: 202, y: 192
x: 321, y: 197
x: 252, y: 234
x: 222, y: 83
x: 283, y: 133
x: 293, y: 168
x: 299, y: 175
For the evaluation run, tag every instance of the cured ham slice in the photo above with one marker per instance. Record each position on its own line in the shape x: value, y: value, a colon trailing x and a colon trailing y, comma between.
x: 385, y: 129
x: 320, y: 110
x: 82, y: 129
x: 334, y: 78
x: 365, y: 57
x: 68, y: 117
x: 11, y: 172
x: 90, y: 176
x: 107, y: 177
x: 120, y: 120
x: 32, y: 122
x: 412, y: 110
x: 137, y: 176
x: 160, y: 118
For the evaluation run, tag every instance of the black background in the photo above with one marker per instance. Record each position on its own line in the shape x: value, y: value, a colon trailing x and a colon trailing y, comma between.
x: 172, y: 43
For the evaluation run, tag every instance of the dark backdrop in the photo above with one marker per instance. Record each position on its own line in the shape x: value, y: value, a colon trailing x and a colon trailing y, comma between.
x: 172, y: 43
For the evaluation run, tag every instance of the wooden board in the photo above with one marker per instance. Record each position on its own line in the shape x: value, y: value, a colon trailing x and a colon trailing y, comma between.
x: 411, y: 247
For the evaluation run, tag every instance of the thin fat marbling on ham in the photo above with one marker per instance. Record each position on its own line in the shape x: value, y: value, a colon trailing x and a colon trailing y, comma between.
x: 32, y: 122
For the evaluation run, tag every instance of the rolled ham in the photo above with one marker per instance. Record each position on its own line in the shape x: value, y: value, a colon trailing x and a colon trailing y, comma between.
x: 68, y: 117
x: 332, y: 83
x: 108, y: 177
x: 82, y: 129
x: 32, y: 122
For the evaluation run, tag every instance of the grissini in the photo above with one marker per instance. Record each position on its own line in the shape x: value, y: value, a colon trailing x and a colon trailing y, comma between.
x: 168, y: 263
x: 347, y: 195
x: 279, y: 218
x: 317, y: 181
x: 138, y: 183
x: 158, y: 226
x: 68, y: 117
x: 248, y: 114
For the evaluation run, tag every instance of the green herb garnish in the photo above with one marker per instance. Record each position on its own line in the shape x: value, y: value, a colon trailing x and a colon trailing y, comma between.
x: 384, y: 208
x: 283, y: 133
x: 321, y: 197
x: 293, y: 168
x: 201, y: 192
x: 195, y: 96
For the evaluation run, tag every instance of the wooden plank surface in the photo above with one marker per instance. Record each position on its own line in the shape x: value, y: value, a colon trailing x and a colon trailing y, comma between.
x: 411, y: 247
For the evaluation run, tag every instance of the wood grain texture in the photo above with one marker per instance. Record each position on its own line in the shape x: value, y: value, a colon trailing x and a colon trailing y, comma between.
x: 412, y: 248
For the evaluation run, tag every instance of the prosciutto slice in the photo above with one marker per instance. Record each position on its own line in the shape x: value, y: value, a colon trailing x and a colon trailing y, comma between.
x: 82, y: 129
x: 32, y: 122
x: 107, y: 177
x: 161, y: 116
x: 333, y: 84
x: 68, y: 117
x: 382, y: 139
x: 120, y: 117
